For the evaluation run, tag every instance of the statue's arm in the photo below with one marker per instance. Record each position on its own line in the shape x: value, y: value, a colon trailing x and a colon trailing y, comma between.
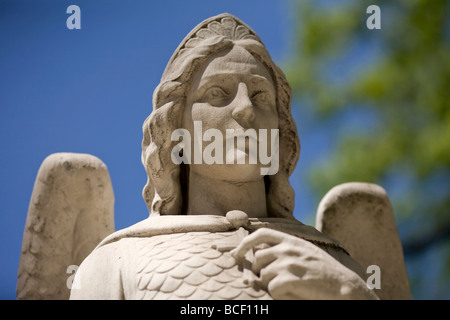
x: 293, y: 268
x: 99, y: 276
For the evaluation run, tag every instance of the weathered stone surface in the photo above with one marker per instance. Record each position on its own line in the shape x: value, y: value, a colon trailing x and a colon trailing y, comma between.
x: 71, y: 210
x: 360, y: 217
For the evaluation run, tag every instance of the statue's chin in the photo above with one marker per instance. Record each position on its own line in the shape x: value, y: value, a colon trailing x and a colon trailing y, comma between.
x: 231, y: 172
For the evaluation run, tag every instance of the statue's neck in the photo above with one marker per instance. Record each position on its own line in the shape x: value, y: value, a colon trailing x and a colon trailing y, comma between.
x: 217, y: 197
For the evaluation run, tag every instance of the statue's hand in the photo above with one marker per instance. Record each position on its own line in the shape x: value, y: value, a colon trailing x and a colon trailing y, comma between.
x: 292, y: 268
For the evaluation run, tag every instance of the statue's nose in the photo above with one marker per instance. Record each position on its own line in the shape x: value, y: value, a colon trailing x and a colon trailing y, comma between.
x: 243, y: 110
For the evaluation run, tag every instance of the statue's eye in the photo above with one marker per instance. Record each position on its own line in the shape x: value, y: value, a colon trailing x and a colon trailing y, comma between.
x: 262, y: 98
x: 215, y: 95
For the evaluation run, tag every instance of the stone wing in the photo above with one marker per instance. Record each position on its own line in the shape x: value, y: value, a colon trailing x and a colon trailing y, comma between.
x: 360, y: 217
x: 71, y: 210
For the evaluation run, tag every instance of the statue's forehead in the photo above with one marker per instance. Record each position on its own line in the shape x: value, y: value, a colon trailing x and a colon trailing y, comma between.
x: 236, y: 61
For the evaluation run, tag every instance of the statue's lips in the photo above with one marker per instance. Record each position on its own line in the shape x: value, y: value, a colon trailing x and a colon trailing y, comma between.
x: 241, y: 148
x: 237, y: 142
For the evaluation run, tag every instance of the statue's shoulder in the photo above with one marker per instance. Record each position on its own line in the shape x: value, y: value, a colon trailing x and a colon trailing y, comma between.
x: 160, y: 225
x: 298, y: 229
x: 98, y: 276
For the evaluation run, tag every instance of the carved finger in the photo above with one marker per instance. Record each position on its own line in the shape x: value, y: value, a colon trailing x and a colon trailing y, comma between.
x: 261, y: 236
x: 264, y: 257
x: 286, y: 286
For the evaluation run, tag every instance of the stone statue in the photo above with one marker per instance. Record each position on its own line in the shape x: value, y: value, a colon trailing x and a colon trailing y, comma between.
x: 221, y: 222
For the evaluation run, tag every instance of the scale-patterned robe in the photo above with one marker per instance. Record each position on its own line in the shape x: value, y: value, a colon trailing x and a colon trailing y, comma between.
x: 183, y: 257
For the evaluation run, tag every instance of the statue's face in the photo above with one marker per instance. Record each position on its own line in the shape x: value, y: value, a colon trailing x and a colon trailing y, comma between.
x: 232, y: 91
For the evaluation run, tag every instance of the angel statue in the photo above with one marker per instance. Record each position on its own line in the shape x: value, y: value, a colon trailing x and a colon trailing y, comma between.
x: 218, y: 150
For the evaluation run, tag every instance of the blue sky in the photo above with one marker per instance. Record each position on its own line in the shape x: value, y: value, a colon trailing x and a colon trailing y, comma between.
x: 89, y: 91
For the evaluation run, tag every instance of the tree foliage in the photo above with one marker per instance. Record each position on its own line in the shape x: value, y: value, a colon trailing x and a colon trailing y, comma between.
x: 398, y: 77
